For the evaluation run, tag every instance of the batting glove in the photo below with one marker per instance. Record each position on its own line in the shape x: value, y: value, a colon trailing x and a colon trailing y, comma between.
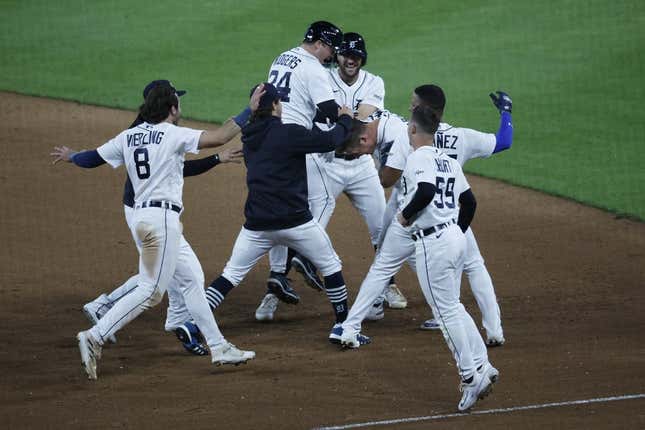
x: 502, y: 101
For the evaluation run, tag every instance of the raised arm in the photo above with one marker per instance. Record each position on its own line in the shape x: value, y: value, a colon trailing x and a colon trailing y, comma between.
x: 228, y: 130
x: 504, y: 136
x: 87, y: 159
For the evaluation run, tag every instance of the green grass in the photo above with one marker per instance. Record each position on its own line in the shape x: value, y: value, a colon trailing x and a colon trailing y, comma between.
x: 574, y: 70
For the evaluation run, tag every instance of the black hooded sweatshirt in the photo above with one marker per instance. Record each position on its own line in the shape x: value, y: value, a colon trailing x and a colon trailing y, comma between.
x: 276, y: 174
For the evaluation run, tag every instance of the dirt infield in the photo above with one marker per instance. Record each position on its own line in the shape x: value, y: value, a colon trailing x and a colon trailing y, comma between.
x: 570, y: 280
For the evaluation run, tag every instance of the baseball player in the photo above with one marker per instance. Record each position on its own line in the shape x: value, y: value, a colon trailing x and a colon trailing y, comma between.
x: 357, y: 176
x: 437, y: 207
x: 306, y: 96
x: 153, y: 153
x: 177, y: 316
x: 277, y: 211
x: 463, y: 144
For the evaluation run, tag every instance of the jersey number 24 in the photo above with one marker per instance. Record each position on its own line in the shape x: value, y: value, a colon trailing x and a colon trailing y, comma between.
x: 281, y: 83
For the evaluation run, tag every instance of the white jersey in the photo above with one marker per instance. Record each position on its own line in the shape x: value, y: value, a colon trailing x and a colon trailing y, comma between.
x: 368, y: 89
x: 153, y: 154
x: 428, y: 164
x: 464, y: 144
x: 304, y: 83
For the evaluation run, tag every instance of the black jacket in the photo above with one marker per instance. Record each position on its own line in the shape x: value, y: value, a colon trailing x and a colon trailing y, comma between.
x: 276, y: 175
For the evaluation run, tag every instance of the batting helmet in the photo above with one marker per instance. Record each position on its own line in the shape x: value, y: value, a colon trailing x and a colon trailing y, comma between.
x: 325, y: 32
x: 353, y: 43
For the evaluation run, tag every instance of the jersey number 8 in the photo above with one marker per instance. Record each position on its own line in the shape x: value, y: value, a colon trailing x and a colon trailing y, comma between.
x: 141, y: 161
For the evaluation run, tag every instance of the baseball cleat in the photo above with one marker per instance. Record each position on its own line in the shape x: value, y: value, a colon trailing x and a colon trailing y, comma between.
x: 477, y: 389
x: 376, y: 312
x: 267, y: 308
x: 95, y: 310
x: 191, y: 338
x: 488, y: 371
x: 430, y: 324
x: 308, y: 272
x: 354, y: 341
x: 278, y: 285
x: 90, y: 353
x: 227, y: 353
x: 336, y: 334
x: 395, y: 298
x: 493, y: 341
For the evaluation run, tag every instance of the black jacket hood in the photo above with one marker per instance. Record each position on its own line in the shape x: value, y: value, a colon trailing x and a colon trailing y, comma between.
x: 254, y: 133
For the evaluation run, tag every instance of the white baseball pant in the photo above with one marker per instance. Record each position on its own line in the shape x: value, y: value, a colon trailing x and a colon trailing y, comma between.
x: 440, y: 259
x: 163, y: 254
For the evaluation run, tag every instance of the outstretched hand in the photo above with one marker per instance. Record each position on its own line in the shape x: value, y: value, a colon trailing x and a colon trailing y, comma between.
x: 62, y: 153
x: 256, y: 96
x: 231, y: 155
x: 502, y: 101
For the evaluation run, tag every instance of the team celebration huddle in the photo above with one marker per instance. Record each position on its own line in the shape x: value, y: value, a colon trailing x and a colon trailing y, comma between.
x: 316, y: 129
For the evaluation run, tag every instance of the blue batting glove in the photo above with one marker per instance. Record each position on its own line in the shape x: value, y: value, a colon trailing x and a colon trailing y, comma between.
x: 502, y: 101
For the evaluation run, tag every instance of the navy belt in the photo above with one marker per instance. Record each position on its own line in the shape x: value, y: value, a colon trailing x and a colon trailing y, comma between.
x: 347, y: 157
x: 158, y: 204
x: 428, y: 231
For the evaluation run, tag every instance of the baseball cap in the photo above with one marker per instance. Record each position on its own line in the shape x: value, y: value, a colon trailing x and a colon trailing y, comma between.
x: 270, y: 95
x: 159, y: 82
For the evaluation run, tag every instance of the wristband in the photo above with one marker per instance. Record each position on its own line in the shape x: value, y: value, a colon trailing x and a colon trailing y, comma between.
x: 217, y: 160
x: 242, y: 118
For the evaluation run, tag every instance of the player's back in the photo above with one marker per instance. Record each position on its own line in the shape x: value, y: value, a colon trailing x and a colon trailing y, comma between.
x: 302, y: 82
x: 153, y: 155
x: 428, y: 164
x: 463, y: 144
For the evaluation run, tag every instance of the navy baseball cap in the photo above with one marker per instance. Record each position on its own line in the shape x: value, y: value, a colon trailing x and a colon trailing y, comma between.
x: 159, y: 82
x: 270, y: 95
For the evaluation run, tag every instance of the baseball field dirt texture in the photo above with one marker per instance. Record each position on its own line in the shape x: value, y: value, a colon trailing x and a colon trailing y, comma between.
x: 559, y: 219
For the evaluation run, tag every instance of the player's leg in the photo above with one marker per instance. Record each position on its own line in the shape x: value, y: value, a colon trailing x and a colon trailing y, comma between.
x: 481, y: 285
x: 367, y: 196
x: 158, y: 232
x: 397, y: 247
x: 311, y: 240
x: 249, y: 247
x: 325, y: 182
x: 439, y: 259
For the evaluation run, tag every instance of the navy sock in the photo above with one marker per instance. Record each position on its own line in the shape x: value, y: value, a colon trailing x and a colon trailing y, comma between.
x: 290, y: 254
x: 392, y: 281
x: 337, y: 293
x: 218, y: 289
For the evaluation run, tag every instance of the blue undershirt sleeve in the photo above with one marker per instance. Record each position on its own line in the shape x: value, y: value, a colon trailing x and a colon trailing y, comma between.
x: 504, y: 136
x: 88, y: 159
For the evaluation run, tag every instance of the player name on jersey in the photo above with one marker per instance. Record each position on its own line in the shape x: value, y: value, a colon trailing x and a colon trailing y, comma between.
x: 445, y: 141
x: 288, y: 60
x: 145, y: 138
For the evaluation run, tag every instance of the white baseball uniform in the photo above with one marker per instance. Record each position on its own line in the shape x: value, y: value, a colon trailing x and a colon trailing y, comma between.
x: 357, y: 177
x: 304, y: 83
x: 440, y: 252
x: 154, y: 157
x: 396, y: 245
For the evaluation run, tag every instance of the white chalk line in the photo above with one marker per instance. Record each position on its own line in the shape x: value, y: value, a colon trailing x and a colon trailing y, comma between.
x: 484, y: 412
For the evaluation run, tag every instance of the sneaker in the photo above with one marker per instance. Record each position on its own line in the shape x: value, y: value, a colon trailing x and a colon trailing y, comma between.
x: 267, y: 308
x: 227, y: 353
x: 278, y: 285
x: 336, y: 334
x: 90, y: 353
x: 308, y: 272
x: 477, y: 389
x: 395, y: 298
x: 354, y: 341
x: 488, y: 371
x: 430, y: 324
x: 191, y: 338
x: 95, y: 310
x: 493, y: 341
x: 376, y: 312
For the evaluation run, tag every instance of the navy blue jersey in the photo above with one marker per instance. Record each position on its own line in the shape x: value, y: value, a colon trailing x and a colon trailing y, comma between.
x: 276, y: 175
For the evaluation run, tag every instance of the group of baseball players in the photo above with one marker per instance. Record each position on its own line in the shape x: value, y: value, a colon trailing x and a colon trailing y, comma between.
x: 317, y: 128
